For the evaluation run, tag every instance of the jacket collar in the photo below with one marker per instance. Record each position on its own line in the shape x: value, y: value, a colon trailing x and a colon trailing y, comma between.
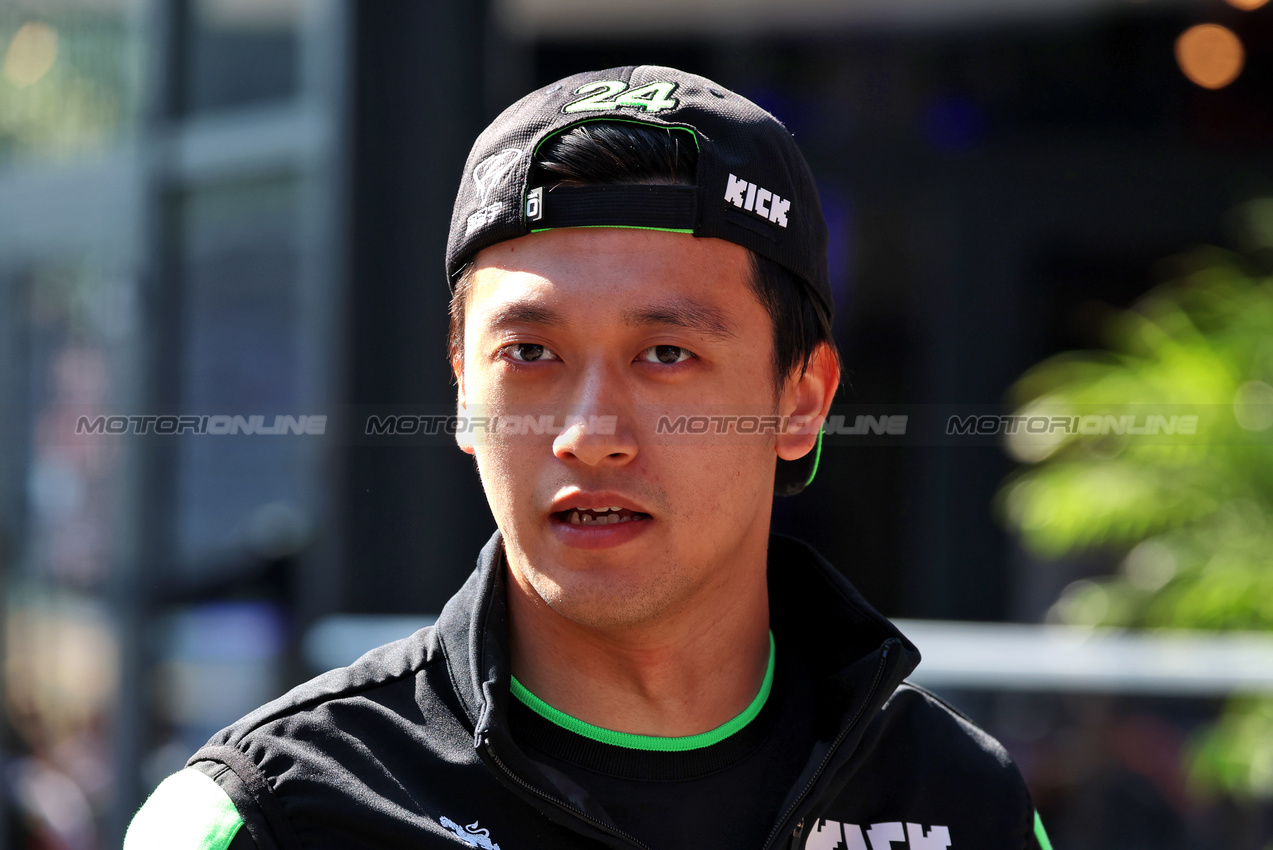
x: 856, y: 657
x: 473, y: 631
x: 812, y: 607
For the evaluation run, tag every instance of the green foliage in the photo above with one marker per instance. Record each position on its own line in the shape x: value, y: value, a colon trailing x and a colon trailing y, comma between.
x: 1193, y: 511
x: 1237, y: 753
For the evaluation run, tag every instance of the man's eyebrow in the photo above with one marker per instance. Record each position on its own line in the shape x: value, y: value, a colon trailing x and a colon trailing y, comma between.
x: 522, y: 313
x: 682, y: 313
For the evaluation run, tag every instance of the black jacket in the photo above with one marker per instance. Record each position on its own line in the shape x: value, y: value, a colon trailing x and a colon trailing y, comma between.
x: 411, y: 742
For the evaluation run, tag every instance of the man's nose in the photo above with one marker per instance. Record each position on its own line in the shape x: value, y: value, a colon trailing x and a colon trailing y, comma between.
x: 597, y: 430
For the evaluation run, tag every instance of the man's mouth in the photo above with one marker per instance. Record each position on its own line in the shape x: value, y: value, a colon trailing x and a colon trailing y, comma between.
x: 600, y: 516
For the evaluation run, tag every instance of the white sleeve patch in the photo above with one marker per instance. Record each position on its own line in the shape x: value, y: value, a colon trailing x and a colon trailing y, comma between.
x: 188, y: 811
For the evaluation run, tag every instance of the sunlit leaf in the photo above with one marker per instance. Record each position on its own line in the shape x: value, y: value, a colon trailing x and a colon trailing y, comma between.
x: 1194, y: 511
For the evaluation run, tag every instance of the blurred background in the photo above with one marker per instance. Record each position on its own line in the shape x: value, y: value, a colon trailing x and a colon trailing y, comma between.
x: 239, y: 208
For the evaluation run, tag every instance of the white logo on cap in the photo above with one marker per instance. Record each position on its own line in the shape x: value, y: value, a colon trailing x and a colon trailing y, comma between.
x: 755, y: 199
x: 492, y: 170
x: 535, y: 203
x: 482, y: 217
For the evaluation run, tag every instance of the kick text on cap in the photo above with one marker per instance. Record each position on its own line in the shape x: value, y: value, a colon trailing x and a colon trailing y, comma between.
x: 754, y: 199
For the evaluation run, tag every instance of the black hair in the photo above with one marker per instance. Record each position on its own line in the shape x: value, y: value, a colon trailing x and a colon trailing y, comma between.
x: 610, y: 153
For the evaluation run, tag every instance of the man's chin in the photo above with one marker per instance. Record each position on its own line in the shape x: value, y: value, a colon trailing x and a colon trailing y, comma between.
x: 598, y: 599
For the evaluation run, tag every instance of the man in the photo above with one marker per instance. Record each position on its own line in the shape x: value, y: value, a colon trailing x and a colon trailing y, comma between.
x: 639, y: 255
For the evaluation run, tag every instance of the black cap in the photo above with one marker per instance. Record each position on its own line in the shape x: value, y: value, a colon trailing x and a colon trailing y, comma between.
x: 752, y: 184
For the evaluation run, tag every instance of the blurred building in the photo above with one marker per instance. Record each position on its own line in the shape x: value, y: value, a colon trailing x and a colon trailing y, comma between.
x: 238, y: 208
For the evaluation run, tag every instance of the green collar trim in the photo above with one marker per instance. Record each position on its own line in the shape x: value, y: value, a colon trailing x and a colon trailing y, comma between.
x: 651, y: 742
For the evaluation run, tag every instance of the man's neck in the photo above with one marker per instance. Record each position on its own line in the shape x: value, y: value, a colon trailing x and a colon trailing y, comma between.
x: 684, y: 674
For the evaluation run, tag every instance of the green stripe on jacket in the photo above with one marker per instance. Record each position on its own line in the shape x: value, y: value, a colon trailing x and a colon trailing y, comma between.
x: 188, y: 811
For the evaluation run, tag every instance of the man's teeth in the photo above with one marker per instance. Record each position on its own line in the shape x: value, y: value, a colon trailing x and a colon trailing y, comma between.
x: 580, y: 518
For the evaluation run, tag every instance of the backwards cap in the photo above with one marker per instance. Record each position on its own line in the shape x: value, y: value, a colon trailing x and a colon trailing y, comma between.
x: 752, y: 185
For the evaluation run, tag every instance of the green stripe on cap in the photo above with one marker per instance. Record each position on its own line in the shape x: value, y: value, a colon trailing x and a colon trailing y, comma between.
x: 1040, y: 833
x: 188, y: 811
x: 650, y: 742
x: 615, y: 226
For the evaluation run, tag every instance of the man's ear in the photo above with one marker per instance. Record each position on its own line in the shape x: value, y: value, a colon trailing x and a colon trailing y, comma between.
x: 463, y: 437
x: 806, y: 399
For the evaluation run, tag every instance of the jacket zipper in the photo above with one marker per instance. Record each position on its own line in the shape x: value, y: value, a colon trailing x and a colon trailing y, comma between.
x: 817, y: 774
x: 795, y: 835
x: 579, y: 813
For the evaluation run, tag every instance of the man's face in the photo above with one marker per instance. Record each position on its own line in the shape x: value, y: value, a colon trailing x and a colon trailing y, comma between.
x: 587, y: 323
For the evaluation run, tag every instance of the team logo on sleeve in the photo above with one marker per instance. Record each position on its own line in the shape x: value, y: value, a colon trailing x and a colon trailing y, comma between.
x: 891, y: 835
x: 472, y: 834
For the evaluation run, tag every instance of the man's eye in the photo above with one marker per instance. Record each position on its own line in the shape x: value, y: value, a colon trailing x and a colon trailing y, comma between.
x: 667, y: 355
x: 529, y: 352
